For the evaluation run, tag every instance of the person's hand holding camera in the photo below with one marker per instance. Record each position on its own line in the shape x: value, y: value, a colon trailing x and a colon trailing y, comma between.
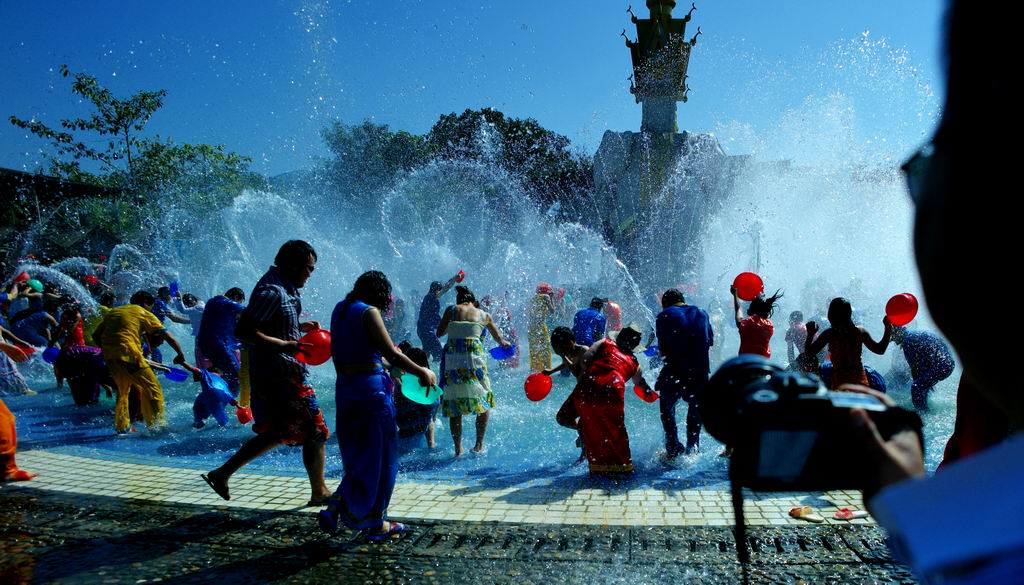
x: 890, y: 461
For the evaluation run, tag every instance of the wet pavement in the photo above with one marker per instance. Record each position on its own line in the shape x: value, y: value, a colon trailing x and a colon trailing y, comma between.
x: 53, y: 537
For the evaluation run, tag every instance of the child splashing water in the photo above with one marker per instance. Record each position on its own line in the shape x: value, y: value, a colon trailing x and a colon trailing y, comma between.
x: 757, y: 329
x: 845, y: 341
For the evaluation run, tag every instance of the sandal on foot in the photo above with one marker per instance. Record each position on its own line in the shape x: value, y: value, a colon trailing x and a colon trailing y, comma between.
x: 222, y: 490
x: 318, y: 502
x: 396, y: 529
x: 806, y: 513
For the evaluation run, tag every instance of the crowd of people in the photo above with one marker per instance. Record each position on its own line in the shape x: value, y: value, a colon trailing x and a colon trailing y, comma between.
x: 248, y: 356
x: 982, y: 456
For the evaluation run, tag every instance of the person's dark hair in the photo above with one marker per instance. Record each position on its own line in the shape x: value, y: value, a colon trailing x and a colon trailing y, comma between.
x: 597, y: 303
x: 108, y: 299
x: 189, y: 300
x: 294, y: 252
x: 764, y: 307
x: 464, y: 295
x: 235, y: 294
x: 562, y: 335
x: 163, y: 290
x: 373, y: 288
x: 404, y: 345
x: 142, y: 298
x: 418, y: 357
x: 840, y: 313
x: 628, y: 339
x: 70, y: 309
x: 796, y: 317
x: 672, y: 296
x: 435, y: 287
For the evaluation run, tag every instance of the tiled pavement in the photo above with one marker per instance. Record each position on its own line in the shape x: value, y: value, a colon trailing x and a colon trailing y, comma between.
x: 54, y: 537
x: 438, y: 501
x: 87, y: 520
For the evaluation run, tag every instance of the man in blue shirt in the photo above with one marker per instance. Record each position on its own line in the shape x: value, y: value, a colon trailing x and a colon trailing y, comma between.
x: 589, y: 324
x: 217, y: 339
x: 929, y: 359
x: 430, y: 317
x: 684, y: 339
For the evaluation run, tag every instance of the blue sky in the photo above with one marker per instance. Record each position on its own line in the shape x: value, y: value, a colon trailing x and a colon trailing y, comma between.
x: 264, y: 77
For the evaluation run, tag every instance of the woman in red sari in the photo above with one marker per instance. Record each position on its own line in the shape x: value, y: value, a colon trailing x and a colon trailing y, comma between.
x: 599, y: 400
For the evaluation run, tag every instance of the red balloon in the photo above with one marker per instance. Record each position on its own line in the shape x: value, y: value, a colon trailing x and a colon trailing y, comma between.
x: 321, y: 350
x: 23, y: 277
x: 652, y: 397
x: 748, y: 285
x: 460, y: 276
x: 538, y: 386
x: 901, y: 309
x: 244, y: 415
x: 90, y: 280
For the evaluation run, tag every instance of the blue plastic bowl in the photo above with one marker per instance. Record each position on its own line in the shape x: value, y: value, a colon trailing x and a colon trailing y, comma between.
x: 50, y: 354
x: 652, y: 350
x: 501, y: 353
x: 177, y: 375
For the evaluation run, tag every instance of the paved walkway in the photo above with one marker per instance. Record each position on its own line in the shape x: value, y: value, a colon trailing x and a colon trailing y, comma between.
x: 533, y: 503
x: 52, y: 537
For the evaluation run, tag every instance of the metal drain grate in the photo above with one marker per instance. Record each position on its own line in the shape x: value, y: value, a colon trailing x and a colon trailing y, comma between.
x: 692, y: 545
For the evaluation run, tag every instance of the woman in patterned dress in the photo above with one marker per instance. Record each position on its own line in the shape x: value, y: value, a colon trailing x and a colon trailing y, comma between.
x: 467, y: 388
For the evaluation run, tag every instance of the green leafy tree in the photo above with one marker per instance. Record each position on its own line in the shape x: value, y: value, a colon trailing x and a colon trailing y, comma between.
x: 148, y: 174
x: 369, y: 157
x: 543, y: 159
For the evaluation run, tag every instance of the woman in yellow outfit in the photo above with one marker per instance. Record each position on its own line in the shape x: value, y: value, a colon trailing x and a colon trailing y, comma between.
x: 120, y: 335
x: 541, y: 308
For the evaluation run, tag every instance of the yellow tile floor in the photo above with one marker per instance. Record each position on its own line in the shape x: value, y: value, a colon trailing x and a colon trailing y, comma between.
x: 429, y: 501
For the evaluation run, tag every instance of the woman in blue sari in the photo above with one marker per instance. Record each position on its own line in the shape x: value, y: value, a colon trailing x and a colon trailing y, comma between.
x: 365, y: 425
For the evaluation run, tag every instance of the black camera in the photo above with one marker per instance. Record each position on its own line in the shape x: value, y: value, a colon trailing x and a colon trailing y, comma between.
x: 787, y: 431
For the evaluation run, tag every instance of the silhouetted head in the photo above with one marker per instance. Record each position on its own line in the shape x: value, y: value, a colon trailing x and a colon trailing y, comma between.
x: 143, y: 299
x: 464, y: 295
x: 762, y: 306
x: 597, y: 303
x: 296, y: 260
x: 70, y: 313
x: 671, y: 297
x: 189, y: 300
x: 163, y: 293
x: 108, y: 299
x: 235, y: 294
x: 796, y: 317
x: 840, y: 313
x: 418, y: 357
x: 628, y: 338
x: 562, y: 340
x: 372, y: 288
x: 435, y: 287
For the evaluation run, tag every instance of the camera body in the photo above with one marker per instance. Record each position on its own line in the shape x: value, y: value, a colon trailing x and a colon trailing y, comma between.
x: 787, y: 431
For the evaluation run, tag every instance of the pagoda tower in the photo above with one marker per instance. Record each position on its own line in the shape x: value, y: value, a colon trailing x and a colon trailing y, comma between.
x: 656, y: 188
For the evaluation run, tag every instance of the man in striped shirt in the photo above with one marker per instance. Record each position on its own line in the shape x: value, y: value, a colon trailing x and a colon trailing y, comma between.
x: 284, y: 406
